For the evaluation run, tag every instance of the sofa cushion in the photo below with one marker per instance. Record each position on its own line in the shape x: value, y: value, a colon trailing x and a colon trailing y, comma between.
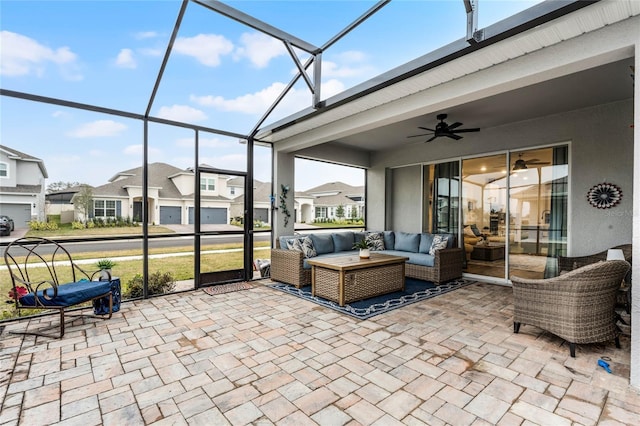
x: 375, y: 240
x: 389, y: 240
x: 323, y: 243
x: 468, y: 231
x: 425, y: 242
x: 343, y: 241
x: 421, y: 259
x: 439, y: 242
x: 359, y: 236
x: 406, y: 241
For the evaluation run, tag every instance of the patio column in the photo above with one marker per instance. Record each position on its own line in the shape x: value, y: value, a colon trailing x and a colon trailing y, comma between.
x: 284, y: 174
x: 634, y: 376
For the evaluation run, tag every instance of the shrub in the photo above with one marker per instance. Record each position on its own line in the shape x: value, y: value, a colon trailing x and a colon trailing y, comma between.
x: 35, y: 225
x: 77, y: 225
x: 159, y: 283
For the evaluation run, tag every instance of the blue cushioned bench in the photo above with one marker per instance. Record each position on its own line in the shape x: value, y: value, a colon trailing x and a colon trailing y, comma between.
x: 44, y: 276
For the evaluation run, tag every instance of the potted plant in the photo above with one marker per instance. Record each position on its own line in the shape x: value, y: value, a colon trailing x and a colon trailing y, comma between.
x: 105, y: 265
x: 365, y: 252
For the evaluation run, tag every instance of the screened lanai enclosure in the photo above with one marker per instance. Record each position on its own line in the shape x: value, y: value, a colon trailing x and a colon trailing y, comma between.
x: 137, y: 141
x: 180, y: 137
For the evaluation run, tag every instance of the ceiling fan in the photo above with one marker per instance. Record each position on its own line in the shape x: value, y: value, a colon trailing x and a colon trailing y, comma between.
x: 444, y: 129
x: 521, y: 164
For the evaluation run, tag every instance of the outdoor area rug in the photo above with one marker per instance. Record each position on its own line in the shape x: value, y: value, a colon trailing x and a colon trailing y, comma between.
x: 226, y: 288
x: 415, y: 291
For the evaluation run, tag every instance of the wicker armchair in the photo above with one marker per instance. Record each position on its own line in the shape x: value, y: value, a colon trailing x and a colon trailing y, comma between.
x: 566, y: 263
x: 578, y: 306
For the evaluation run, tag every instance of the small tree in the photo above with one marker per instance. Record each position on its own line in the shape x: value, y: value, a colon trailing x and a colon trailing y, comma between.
x: 83, y: 202
x: 340, y: 211
x: 354, y: 212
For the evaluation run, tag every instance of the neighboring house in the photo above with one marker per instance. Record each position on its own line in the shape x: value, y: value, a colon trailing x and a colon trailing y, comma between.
x: 61, y: 203
x: 22, y: 186
x: 261, y: 199
x: 171, y: 196
x: 330, y: 198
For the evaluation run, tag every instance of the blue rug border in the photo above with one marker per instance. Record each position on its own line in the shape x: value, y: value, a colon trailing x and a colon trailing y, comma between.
x: 376, y: 308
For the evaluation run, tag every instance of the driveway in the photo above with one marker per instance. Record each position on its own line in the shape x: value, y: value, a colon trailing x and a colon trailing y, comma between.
x: 15, y: 234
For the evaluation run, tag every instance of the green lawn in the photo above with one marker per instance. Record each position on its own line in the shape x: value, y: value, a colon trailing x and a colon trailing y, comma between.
x: 181, y: 266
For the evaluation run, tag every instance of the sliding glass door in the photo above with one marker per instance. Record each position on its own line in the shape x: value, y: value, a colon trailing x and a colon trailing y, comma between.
x: 538, y: 210
x: 514, y: 212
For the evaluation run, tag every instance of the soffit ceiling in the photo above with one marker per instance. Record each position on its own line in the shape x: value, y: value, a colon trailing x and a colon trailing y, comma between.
x: 598, y: 83
x: 608, y: 83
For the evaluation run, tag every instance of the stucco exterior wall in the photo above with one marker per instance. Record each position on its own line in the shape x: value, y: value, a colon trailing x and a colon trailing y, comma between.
x: 600, y: 150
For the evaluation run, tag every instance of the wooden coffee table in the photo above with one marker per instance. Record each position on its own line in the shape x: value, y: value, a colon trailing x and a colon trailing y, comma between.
x: 345, y: 279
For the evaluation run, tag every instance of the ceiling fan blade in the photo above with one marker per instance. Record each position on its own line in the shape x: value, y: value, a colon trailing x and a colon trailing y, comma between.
x: 455, y: 125
x: 466, y: 130
x: 429, y: 140
x: 453, y: 136
x: 533, y: 160
x: 426, y: 128
x: 415, y: 136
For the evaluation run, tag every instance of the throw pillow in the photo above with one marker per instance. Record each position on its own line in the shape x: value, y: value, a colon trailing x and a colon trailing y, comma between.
x: 439, y: 243
x: 468, y: 231
x: 294, y: 244
x: 375, y: 240
x: 307, y: 247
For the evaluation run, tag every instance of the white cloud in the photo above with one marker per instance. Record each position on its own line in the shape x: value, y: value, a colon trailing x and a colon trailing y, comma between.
x: 332, y: 69
x: 146, y: 34
x: 259, y: 49
x: 183, y: 113
x: 126, y: 59
x: 205, y: 48
x: 21, y: 55
x: 258, y: 102
x: 98, y: 129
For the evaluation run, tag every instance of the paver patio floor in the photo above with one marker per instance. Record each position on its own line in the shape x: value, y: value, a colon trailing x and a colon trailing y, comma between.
x: 262, y: 357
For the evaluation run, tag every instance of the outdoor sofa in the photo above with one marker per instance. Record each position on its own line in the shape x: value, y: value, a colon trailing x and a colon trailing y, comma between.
x: 289, y: 259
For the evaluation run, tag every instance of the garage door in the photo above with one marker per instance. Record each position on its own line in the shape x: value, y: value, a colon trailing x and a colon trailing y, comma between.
x: 170, y: 215
x: 261, y: 215
x: 20, y: 213
x: 209, y: 215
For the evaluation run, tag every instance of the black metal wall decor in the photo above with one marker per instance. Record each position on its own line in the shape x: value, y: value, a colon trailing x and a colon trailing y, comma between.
x: 604, y: 195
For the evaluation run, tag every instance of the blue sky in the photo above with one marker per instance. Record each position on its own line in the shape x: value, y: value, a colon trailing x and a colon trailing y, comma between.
x: 221, y: 74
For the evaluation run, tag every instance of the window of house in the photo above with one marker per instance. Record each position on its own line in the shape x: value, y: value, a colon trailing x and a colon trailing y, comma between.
x: 208, y: 184
x: 321, y: 212
x: 104, y: 208
x: 4, y: 170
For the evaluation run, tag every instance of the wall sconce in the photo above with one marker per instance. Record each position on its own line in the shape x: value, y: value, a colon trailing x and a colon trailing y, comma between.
x: 34, y: 205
